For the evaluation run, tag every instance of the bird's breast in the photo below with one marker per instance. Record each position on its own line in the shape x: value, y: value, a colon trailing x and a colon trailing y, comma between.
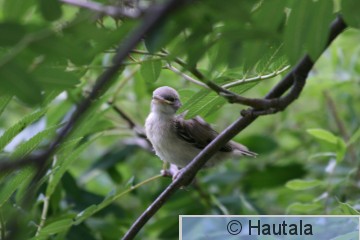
x: 161, y: 133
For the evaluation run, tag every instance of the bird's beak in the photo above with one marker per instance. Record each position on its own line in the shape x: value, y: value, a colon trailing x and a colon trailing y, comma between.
x: 161, y: 100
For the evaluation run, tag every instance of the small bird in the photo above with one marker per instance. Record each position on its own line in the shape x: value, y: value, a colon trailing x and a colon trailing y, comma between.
x: 177, y: 141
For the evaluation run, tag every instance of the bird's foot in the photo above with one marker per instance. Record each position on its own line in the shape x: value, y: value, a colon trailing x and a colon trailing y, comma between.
x: 177, y: 174
x: 166, y: 173
x: 169, y: 171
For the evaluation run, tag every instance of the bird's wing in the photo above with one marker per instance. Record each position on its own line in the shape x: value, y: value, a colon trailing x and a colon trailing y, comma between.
x: 199, y: 133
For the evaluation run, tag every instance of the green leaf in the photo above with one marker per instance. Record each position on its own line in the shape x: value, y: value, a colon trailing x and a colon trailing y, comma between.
x: 16, y: 81
x: 303, y: 208
x: 340, y: 150
x: 261, y: 143
x: 55, y: 79
x: 258, y: 179
x: 308, y: 28
x: 11, y: 33
x: 150, y: 70
x: 215, y: 106
x: 54, y: 228
x: 202, y: 105
x: 194, y: 100
x: 27, y: 147
x: 323, y: 135
x: 50, y: 9
x: 163, y: 33
x: 13, y: 183
x: 11, y: 132
x: 347, y: 209
x: 299, y: 184
x: 195, y: 47
x: 222, y: 178
x: 206, y: 102
x: 83, y: 215
x: 316, y: 38
x: 297, y: 29
x: 350, y: 10
x: 268, y: 17
x: 254, y: 50
x: 16, y: 9
x: 4, y: 100
x: 355, y: 137
x: 65, y: 158
x: 331, y: 138
x: 56, y: 113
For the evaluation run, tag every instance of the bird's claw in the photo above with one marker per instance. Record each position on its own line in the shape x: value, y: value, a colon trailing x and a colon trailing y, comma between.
x: 166, y: 173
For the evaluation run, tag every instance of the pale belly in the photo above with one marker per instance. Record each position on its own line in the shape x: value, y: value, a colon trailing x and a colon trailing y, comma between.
x: 169, y: 148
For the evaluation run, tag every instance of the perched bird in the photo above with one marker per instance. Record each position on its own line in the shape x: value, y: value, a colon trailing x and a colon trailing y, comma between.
x: 176, y: 140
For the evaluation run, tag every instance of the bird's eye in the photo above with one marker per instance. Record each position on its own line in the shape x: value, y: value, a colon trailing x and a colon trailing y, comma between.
x: 169, y: 98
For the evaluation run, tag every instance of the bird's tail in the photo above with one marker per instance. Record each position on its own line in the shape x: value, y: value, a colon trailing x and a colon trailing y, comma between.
x: 241, y: 150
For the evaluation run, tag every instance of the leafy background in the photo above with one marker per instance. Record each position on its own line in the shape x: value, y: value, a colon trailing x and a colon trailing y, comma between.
x: 51, y: 54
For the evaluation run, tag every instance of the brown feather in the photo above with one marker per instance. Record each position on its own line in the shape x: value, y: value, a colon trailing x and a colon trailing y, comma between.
x: 199, y: 133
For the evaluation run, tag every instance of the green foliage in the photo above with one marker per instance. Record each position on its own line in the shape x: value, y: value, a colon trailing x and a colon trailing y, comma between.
x: 150, y: 70
x: 13, y: 182
x: 11, y: 132
x: 329, y: 137
x: 298, y: 184
x: 306, y: 30
x: 103, y: 176
x: 349, y: 7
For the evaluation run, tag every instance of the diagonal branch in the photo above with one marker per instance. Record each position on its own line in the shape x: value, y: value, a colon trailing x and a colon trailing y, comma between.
x: 139, y: 131
x: 154, y: 15
x: 263, y: 106
x: 189, y: 172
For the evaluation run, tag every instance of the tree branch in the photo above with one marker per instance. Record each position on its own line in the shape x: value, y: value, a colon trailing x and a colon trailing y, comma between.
x: 189, y: 172
x: 139, y: 131
x: 112, y: 11
x: 273, y: 103
x: 153, y: 16
x: 185, y: 76
x: 263, y: 106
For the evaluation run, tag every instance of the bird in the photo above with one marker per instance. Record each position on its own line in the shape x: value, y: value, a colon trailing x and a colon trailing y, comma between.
x: 177, y: 140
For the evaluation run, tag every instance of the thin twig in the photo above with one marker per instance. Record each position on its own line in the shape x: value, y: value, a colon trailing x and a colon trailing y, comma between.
x: 79, y: 218
x: 200, y: 76
x: 123, y: 115
x: 148, y: 53
x: 46, y: 201
x: 193, y: 70
x: 189, y: 172
x: 332, y: 107
x: 339, y: 123
x: 256, y: 78
x: 43, y: 215
x: 140, y: 132
x: 112, y: 11
x: 185, y: 76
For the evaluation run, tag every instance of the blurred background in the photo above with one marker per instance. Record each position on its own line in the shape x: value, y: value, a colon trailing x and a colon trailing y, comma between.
x: 104, y: 175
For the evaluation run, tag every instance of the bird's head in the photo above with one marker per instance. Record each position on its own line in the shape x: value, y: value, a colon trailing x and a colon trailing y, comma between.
x: 165, y: 100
